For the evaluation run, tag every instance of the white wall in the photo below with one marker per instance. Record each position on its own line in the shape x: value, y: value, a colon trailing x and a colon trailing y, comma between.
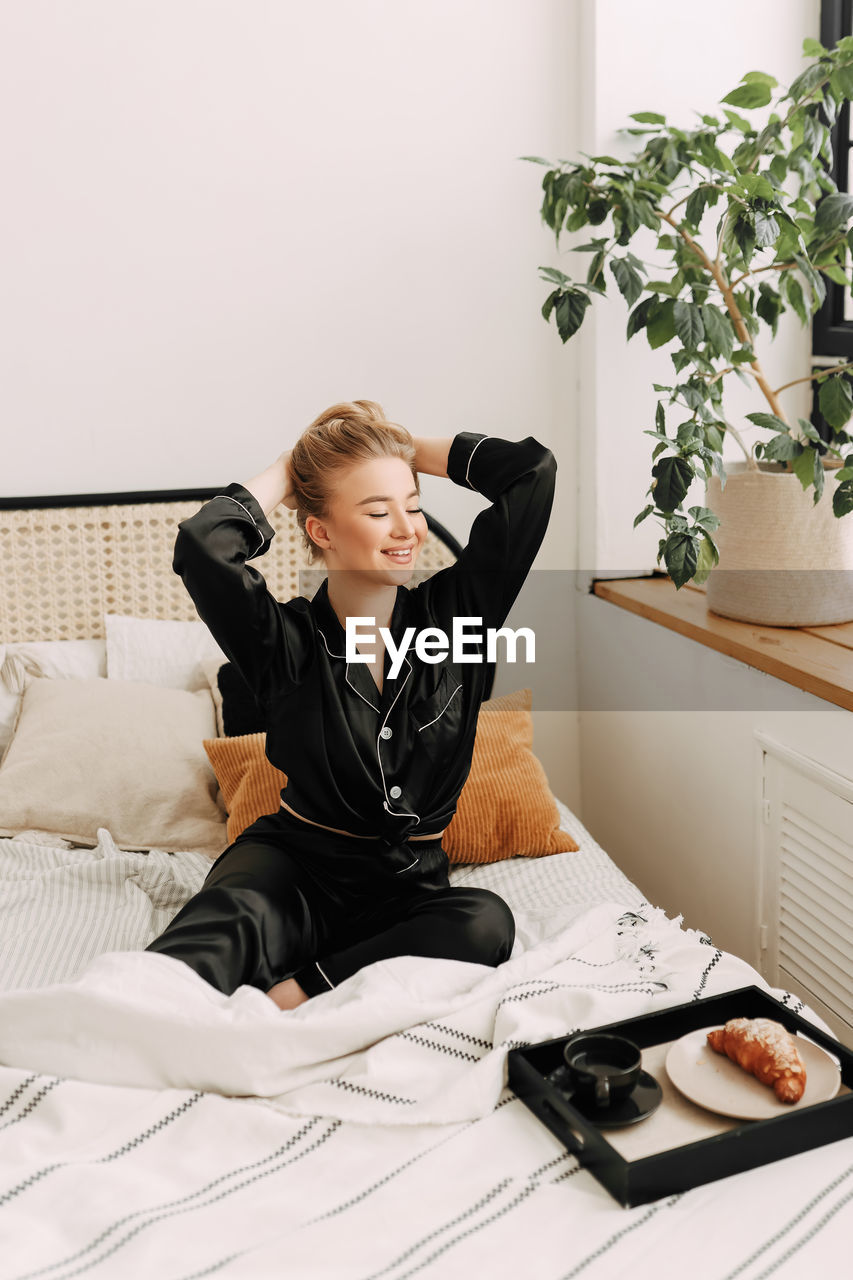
x: 222, y: 217
x: 676, y: 58
x: 668, y: 751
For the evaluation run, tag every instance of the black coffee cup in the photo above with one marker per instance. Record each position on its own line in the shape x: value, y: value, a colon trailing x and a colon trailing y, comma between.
x: 603, y: 1068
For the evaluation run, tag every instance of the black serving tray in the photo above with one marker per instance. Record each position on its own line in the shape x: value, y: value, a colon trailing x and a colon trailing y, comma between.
x: 745, y: 1146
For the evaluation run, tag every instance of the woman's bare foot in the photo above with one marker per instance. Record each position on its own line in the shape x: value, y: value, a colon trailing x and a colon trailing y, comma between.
x: 287, y: 994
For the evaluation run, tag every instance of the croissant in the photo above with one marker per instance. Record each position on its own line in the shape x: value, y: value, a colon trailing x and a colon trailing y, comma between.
x: 767, y: 1051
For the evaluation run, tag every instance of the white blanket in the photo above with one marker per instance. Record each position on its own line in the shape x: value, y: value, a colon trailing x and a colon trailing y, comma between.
x: 382, y: 1144
x: 372, y: 1136
x: 406, y: 1041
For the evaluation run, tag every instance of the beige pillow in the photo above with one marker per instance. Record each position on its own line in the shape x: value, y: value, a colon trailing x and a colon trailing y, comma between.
x: 108, y: 753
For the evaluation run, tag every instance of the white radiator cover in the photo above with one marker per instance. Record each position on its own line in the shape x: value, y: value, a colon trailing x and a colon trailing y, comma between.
x: 806, y: 862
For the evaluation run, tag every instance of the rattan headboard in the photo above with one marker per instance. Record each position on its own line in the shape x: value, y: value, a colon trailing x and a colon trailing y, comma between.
x: 66, y: 561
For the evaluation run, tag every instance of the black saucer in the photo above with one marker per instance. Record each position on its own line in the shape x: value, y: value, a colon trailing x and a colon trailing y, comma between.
x: 643, y: 1099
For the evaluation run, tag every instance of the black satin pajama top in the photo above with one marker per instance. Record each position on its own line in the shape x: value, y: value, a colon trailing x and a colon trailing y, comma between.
x: 387, y: 765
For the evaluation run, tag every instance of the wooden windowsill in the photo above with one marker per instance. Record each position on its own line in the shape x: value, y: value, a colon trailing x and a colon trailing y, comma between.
x: 818, y: 660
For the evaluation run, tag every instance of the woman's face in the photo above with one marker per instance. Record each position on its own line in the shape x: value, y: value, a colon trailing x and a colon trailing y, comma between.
x: 374, y: 524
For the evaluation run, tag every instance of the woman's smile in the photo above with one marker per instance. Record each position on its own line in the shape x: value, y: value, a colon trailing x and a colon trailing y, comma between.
x: 374, y: 513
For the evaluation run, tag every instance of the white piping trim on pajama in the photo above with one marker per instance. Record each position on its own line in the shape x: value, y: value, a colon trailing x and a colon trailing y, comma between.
x: 442, y: 711
x: 248, y: 513
x: 399, y: 813
x: 470, y: 456
x: 346, y: 674
x: 328, y: 979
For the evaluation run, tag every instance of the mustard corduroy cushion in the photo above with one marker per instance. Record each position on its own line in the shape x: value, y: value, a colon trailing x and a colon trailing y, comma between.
x: 505, y: 809
x: 250, y: 785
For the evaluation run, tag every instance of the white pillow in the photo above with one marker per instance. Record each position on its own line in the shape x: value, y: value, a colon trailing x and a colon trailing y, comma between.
x: 59, y: 659
x: 166, y: 653
x: 115, y: 754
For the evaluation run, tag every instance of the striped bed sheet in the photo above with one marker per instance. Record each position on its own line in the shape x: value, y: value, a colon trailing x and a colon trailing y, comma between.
x: 353, y: 1174
x: 62, y: 906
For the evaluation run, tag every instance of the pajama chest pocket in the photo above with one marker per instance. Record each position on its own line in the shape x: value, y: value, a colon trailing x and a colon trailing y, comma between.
x: 437, y: 720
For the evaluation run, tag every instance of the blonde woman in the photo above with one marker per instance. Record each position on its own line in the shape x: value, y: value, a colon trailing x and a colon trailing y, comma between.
x: 351, y: 869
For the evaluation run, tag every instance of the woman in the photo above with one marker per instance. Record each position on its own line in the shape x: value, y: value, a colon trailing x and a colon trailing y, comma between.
x: 351, y: 869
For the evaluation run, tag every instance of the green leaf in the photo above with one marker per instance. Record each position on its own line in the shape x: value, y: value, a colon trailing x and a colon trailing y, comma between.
x: 687, y: 318
x: 738, y: 122
x: 795, y: 297
x: 660, y: 325
x: 755, y: 185
x: 769, y: 305
x: 671, y: 288
x: 835, y: 399
x: 779, y: 169
x: 759, y: 77
x: 628, y: 279
x: 638, y: 318
x: 836, y: 274
x: 548, y: 304
x: 704, y: 516
x: 806, y: 83
x: 695, y: 207
x: 570, y: 309
x: 804, y: 466
x: 841, y: 81
x: 745, y: 355
x: 591, y: 246
x: 813, y: 132
x: 782, y: 448
x: 744, y: 234
x: 694, y: 396
x: 648, y: 117
x: 559, y: 277
x: 673, y: 477
x: 596, y: 211
x: 814, y: 278
x: 718, y: 330
x: 842, y: 498
x: 766, y: 229
x: 593, y: 275
x: 834, y: 212
x: 769, y: 420
x: 646, y: 511
x: 708, y: 557
x: 812, y: 48
x: 681, y: 556
x: 660, y: 418
x: 754, y: 94
x: 687, y: 432
x: 713, y: 437
x: 809, y: 430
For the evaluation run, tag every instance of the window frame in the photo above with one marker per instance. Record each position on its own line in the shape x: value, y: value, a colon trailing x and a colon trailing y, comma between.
x: 832, y: 335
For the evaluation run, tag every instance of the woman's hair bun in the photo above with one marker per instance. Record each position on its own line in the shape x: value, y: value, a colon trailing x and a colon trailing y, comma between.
x: 346, y: 433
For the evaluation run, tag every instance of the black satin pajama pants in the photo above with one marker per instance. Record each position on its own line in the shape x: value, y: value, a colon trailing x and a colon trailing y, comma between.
x: 287, y: 899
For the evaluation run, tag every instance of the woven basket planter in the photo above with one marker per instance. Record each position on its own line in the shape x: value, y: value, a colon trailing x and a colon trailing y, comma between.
x: 784, y: 561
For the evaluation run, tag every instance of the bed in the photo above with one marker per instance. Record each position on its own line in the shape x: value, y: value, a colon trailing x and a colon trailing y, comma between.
x: 152, y: 1126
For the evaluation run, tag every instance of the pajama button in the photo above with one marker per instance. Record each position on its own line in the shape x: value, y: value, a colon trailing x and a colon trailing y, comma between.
x: 395, y: 793
x: 385, y: 732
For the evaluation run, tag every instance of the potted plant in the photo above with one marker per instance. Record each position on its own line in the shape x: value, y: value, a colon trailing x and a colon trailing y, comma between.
x: 710, y: 235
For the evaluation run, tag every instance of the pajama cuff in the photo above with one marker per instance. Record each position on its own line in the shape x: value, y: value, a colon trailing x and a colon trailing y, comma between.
x: 313, y: 980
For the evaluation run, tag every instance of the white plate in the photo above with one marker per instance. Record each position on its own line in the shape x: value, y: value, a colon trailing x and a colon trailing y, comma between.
x: 717, y: 1083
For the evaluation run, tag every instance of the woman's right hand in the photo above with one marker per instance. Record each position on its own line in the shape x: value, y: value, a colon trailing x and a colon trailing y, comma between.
x: 289, y: 498
x: 275, y: 485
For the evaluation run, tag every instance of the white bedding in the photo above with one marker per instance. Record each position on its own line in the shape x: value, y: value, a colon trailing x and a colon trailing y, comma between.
x: 373, y: 1135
